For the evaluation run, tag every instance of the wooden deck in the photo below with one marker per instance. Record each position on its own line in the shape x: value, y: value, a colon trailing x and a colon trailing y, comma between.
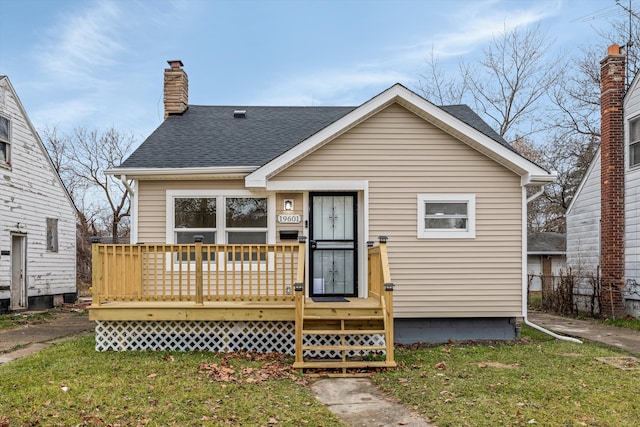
x: 244, y: 283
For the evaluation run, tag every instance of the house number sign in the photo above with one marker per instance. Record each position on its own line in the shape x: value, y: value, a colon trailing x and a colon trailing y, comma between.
x: 289, y: 219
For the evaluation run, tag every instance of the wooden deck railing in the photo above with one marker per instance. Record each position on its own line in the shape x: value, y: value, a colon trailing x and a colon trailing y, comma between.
x: 381, y: 287
x: 194, y: 272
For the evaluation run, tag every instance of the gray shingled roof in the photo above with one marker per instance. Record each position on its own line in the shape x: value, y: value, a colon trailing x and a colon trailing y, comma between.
x: 210, y: 136
x: 546, y: 242
x: 467, y: 115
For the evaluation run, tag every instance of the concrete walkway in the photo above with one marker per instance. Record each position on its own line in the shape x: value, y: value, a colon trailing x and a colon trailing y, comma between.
x: 26, y: 340
x: 623, y: 338
x: 357, y: 402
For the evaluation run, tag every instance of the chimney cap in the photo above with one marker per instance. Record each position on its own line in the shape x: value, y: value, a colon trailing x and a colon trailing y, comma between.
x: 175, y: 63
x: 614, y: 49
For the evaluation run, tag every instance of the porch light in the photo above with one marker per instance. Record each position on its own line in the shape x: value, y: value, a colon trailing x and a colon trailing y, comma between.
x: 198, y: 238
x: 95, y: 239
x: 288, y: 204
x: 298, y: 287
x: 370, y: 243
x: 389, y: 287
x: 383, y: 239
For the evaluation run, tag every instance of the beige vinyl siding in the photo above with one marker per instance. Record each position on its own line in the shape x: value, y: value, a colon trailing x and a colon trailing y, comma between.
x: 152, y: 204
x: 401, y: 156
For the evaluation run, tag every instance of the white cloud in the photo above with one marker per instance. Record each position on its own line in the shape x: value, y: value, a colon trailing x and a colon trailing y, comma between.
x: 475, y: 25
x: 330, y: 87
x: 66, y: 114
x: 80, y: 43
x: 468, y: 28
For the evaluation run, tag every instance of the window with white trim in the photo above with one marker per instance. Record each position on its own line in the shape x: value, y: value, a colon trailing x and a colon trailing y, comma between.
x: 634, y: 142
x: 243, y: 221
x: 246, y: 223
x: 446, y: 216
x: 5, y: 141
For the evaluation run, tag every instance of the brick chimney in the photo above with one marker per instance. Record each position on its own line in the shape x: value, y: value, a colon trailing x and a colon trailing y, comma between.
x: 612, y: 88
x: 176, y: 89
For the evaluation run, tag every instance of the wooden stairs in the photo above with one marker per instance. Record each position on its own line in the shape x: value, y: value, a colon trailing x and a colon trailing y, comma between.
x: 340, y: 338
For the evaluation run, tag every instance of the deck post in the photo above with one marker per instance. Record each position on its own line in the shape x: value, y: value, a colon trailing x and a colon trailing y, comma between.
x: 96, y: 271
x: 199, y: 294
x: 388, y: 296
x: 298, y: 288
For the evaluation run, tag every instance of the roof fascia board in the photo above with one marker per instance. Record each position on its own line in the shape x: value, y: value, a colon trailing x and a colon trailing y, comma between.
x: 173, y: 173
x: 424, y: 109
x: 317, y: 185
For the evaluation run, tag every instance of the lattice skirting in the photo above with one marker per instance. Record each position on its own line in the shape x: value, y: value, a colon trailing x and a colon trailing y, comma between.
x: 222, y: 336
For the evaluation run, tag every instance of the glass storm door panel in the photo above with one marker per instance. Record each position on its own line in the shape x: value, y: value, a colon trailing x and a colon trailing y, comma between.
x: 333, y: 246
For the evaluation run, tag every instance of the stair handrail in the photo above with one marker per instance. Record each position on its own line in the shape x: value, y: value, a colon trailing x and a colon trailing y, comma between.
x: 298, y: 288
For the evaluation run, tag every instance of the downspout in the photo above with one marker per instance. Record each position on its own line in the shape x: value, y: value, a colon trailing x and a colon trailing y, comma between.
x: 123, y: 178
x: 524, y: 282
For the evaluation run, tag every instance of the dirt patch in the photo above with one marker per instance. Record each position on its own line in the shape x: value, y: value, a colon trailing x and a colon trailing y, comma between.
x: 624, y: 363
x: 497, y: 365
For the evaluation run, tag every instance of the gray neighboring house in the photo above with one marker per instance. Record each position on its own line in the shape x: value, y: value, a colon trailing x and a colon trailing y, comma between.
x: 546, y: 256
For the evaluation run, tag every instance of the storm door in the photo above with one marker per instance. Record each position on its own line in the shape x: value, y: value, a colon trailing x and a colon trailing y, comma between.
x: 333, y: 246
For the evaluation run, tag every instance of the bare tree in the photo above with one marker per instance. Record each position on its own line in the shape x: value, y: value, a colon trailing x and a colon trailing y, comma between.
x: 570, y: 157
x: 506, y: 86
x: 81, y: 159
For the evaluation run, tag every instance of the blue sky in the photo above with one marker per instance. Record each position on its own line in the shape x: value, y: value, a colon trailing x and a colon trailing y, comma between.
x: 99, y: 64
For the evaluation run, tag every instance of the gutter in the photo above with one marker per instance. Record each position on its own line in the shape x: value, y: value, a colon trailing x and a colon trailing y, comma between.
x: 524, y: 286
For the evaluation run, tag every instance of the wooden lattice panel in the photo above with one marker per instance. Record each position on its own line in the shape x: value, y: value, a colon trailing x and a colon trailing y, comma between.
x: 220, y: 336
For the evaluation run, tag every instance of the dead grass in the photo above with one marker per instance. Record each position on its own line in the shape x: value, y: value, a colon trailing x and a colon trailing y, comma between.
x: 71, y: 384
x: 530, y: 382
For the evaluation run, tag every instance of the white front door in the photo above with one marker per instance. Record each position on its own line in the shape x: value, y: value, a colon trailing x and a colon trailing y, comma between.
x: 18, y: 272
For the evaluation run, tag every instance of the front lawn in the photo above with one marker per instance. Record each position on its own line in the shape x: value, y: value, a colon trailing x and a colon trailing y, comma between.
x: 534, y: 381
x: 71, y: 384
x: 545, y: 383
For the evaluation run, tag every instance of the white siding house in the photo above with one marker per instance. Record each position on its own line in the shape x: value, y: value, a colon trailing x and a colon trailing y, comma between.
x: 583, y: 222
x: 584, y: 215
x: 37, y: 217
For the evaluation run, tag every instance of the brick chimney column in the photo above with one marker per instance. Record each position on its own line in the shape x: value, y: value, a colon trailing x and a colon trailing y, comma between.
x: 612, y: 88
x: 176, y: 89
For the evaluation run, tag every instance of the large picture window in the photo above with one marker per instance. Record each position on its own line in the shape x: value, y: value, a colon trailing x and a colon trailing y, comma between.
x: 220, y: 219
x: 446, y: 216
x: 634, y: 142
x: 5, y: 141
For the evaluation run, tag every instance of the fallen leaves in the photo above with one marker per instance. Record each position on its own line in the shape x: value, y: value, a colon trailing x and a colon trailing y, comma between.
x: 276, y: 368
x: 441, y: 365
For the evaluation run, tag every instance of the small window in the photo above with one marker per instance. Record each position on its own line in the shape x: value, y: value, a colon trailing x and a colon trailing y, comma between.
x: 634, y: 142
x: 446, y: 216
x: 5, y: 141
x: 52, y: 234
